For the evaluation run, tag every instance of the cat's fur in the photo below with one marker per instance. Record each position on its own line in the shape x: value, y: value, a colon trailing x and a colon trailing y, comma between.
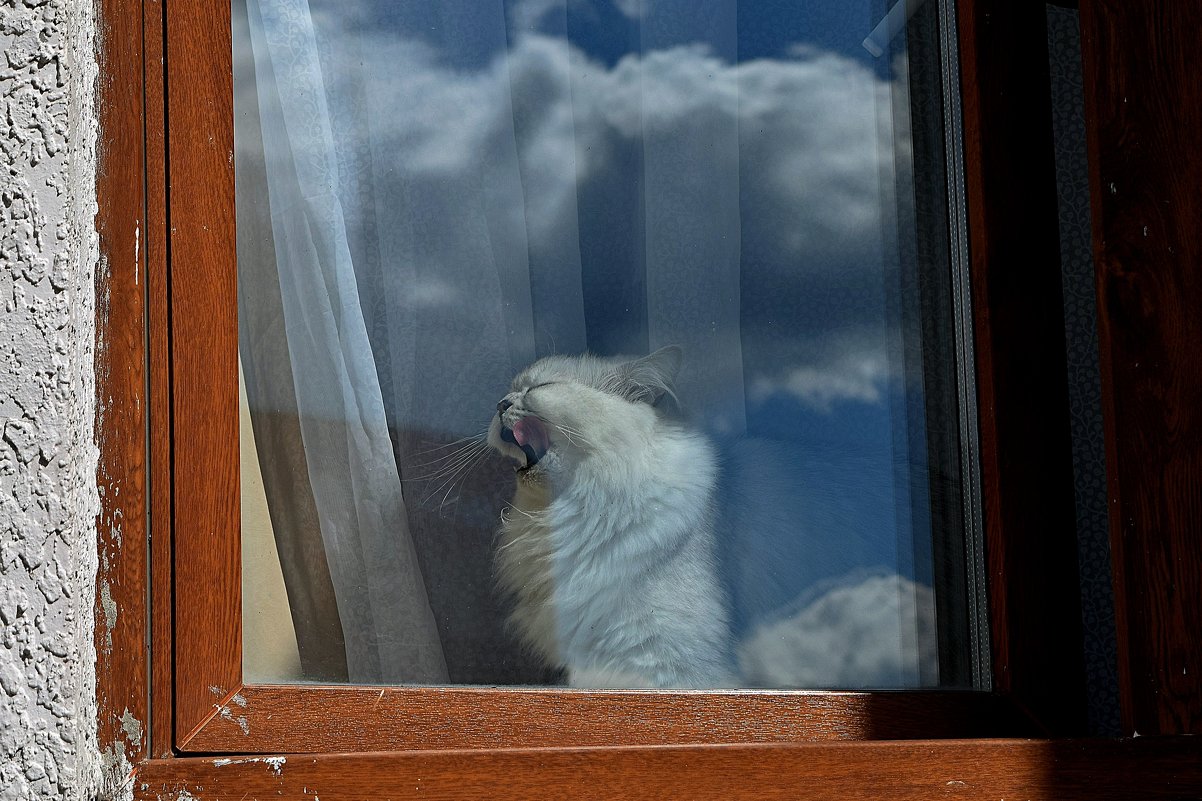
x: 609, y: 548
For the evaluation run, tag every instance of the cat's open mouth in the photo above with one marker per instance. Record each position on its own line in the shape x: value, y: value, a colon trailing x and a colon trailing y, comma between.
x: 530, y: 435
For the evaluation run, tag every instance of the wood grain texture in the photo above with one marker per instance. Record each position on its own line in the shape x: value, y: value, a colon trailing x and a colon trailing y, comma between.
x: 898, y: 771
x: 1144, y: 121
x: 1025, y: 445
x: 204, y: 351
x: 162, y: 663
x: 122, y: 678
x: 311, y: 719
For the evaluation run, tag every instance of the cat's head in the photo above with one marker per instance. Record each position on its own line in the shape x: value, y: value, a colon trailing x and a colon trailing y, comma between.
x: 562, y: 408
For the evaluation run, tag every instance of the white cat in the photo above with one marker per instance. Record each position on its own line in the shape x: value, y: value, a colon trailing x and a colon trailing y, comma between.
x: 609, y: 548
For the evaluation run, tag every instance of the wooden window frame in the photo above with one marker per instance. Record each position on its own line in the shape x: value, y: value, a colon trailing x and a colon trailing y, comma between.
x: 169, y: 541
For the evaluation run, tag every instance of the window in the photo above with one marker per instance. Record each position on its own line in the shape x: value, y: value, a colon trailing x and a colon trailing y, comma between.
x: 199, y: 703
x: 272, y: 201
x: 432, y: 198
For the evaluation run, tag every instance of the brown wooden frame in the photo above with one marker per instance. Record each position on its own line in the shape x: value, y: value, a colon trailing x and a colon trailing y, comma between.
x: 166, y: 356
x: 214, y: 712
x: 1050, y: 770
x: 123, y: 677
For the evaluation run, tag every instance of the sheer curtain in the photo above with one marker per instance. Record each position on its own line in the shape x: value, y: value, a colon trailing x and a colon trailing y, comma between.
x: 387, y: 624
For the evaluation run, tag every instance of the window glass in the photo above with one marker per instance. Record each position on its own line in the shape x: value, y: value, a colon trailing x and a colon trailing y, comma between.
x: 599, y: 343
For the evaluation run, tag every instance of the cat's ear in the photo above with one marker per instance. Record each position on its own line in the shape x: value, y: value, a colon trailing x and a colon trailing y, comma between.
x: 650, y: 378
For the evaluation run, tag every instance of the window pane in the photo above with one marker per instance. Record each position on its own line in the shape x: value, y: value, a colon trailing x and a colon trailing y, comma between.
x: 599, y: 344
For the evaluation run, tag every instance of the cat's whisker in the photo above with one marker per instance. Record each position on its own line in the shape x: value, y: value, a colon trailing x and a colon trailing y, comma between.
x: 444, y: 459
x: 521, y: 511
x: 514, y: 541
x: 443, y: 472
x: 463, y: 474
x: 456, y: 460
x: 450, y: 477
x: 438, y: 475
x: 446, y: 444
x: 472, y: 442
x: 445, y: 477
x: 570, y: 433
x: 568, y: 429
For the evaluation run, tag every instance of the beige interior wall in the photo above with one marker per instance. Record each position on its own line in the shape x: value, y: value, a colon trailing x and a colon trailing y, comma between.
x: 269, y: 652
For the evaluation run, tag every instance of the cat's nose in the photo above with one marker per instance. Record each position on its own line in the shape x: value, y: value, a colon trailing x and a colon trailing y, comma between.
x: 504, y: 405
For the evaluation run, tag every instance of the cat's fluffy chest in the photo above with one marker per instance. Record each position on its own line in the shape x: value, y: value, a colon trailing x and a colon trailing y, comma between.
x: 524, y: 568
x: 612, y: 566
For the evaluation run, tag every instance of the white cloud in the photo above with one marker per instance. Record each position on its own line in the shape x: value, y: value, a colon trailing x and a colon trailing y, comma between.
x: 634, y: 9
x: 864, y: 632
x: 818, y: 160
x: 848, y: 369
x: 493, y: 157
x: 819, y: 387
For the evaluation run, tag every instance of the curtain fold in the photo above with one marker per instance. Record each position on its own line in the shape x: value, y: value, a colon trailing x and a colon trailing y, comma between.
x: 387, y: 623
x: 693, y: 216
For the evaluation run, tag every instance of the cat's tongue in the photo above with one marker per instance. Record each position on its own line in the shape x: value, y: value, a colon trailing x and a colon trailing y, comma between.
x: 531, y: 436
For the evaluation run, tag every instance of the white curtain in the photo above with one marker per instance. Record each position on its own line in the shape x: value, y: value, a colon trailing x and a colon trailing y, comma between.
x: 387, y: 623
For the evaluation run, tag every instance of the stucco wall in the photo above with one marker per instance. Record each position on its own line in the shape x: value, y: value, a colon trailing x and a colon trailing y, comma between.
x: 48, y: 496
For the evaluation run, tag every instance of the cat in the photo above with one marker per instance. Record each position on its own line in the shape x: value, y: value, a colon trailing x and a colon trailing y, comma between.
x: 610, y: 546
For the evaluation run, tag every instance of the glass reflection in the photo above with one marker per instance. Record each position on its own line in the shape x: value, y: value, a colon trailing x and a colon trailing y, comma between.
x: 434, y: 196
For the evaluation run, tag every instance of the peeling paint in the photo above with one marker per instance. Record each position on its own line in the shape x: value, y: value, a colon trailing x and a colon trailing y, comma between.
x: 241, y: 721
x: 180, y: 795
x: 276, y: 763
x: 117, y: 775
x: 132, y: 728
x: 109, y: 607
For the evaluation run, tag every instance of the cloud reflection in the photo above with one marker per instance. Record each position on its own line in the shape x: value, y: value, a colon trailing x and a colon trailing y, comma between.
x: 494, y: 157
x: 847, y: 370
x: 808, y: 160
x: 876, y: 631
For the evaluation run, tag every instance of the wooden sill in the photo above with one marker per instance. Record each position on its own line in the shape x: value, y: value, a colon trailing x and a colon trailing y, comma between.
x: 1059, y: 770
x: 266, y: 719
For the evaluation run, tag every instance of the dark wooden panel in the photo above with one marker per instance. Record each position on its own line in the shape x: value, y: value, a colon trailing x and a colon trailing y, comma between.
x: 898, y: 771
x: 204, y: 350
x: 268, y: 719
x: 1142, y: 65
x: 159, y: 428
x: 121, y: 613
x: 1026, y: 456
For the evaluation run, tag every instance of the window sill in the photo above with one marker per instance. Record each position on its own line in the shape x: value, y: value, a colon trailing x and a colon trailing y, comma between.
x: 1146, y: 768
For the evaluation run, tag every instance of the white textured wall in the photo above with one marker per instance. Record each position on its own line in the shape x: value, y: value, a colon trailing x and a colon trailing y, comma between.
x: 48, y: 499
